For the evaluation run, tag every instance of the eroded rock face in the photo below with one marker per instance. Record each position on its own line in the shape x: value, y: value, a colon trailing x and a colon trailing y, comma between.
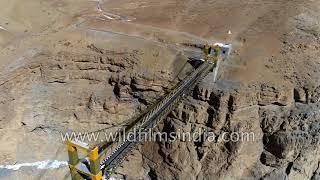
x: 284, y: 118
x: 102, y: 88
x: 286, y: 134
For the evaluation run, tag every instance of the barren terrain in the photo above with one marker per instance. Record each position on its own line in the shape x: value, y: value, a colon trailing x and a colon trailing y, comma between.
x: 80, y: 65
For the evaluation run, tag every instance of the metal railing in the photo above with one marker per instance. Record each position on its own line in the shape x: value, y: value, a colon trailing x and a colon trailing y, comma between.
x: 103, y: 158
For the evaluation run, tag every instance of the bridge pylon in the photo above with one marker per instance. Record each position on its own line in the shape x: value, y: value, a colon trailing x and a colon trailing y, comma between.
x: 88, y: 166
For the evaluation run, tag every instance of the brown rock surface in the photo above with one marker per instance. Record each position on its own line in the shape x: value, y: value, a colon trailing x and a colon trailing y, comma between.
x: 86, y: 65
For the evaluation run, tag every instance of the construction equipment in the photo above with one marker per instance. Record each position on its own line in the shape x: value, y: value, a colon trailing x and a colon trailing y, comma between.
x: 102, y: 159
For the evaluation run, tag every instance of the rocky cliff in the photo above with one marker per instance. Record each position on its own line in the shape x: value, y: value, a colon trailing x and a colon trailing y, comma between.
x: 77, y: 67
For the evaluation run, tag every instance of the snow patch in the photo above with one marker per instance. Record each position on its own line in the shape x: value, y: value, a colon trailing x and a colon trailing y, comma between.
x: 48, y: 164
x: 3, y: 28
x: 108, y: 17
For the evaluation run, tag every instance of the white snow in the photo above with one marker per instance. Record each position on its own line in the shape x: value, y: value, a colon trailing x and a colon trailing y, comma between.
x: 108, y: 17
x: 3, y: 28
x: 48, y: 164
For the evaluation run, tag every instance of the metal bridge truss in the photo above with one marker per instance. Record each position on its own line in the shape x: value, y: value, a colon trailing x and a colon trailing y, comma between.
x: 103, y: 158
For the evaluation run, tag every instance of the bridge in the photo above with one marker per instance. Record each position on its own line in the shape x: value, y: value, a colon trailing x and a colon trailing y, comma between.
x: 103, y: 158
